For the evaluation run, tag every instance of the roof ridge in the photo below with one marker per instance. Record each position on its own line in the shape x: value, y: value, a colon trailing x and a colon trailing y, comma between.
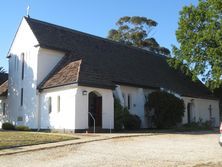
x: 94, y: 36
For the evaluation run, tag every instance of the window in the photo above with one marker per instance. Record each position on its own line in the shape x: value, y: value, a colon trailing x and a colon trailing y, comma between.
x: 58, y: 103
x: 23, y: 64
x: 50, y: 105
x: 19, y: 118
x: 21, y: 97
x: 129, y: 102
x: 210, y: 111
x: 3, y: 108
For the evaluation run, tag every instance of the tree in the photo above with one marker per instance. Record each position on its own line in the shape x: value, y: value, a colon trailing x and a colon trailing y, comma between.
x: 136, y: 31
x: 200, y: 37
x: 168, y: 109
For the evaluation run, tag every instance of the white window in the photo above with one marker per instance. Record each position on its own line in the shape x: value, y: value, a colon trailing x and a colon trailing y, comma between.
x: 58, y: 103
x: 49, y: 104
x: 3, y: 108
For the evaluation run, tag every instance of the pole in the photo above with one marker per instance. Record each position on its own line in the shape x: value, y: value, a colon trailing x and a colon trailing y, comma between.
x: 94, y: 122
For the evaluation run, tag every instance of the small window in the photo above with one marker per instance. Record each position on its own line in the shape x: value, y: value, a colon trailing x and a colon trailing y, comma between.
x: 58, y: 103
x: 50, y: 104
x: 23, y: 64
x: 21, y: 97
x: 19, y: 118
x: 129, y: 102
x: 210, y: 111
x: 3, y: 108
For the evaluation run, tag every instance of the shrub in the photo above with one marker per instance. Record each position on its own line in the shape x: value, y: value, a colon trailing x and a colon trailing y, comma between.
x: 168, y: 109
x: 122, y: 117
x: 8, y: 126
x: 118, y: 115
x: 22, y: 128
x: 197, y: 126
x: 132, y: 122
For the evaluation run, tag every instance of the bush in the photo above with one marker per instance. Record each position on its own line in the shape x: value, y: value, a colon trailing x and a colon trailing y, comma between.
x: 132, y: 122
x: 168, y: 109
x: 118, y: 115
x: 122, y: 117
x: 8, y: 126
x: 197, y: 126
x: 22, y: 128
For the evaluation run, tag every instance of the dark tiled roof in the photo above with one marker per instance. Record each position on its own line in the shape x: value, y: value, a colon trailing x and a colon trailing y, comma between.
x: 98, y: 62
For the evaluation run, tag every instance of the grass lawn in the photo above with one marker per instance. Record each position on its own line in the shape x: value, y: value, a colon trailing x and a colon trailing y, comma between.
x: 10, y: 139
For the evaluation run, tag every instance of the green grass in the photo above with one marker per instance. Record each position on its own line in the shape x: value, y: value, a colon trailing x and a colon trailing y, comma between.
x: 9, y: 139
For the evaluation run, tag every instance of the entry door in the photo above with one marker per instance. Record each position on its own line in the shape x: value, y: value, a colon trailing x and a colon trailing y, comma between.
x: 99, y: 111
x: 189, y: 113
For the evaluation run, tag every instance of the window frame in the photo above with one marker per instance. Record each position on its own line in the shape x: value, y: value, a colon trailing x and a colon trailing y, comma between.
x: 22, y: 97
x: 50, y: 105
x: 23, y: 65
x: 129, y: 101
x: 58, y: 103
x: 3, y: 108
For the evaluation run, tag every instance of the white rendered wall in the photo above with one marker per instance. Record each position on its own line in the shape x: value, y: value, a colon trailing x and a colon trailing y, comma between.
x: 38, y: 63
x: 82, y: 107
x: 201, y: 109
x: 24, y: 42
x: 47, y: 59
x: 63, y: 119
x: 137, y: 101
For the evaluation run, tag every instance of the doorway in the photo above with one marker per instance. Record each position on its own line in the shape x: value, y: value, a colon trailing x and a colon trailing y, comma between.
x: 95, y: 108
x: 189, y: 113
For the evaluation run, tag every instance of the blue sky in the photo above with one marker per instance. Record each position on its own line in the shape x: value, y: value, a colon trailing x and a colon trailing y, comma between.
x: 91, y: 16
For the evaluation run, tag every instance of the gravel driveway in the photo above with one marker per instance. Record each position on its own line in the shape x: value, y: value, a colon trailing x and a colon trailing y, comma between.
x: 159, y: 150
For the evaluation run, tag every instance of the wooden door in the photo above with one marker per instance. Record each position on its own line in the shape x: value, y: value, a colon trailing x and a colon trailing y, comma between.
x: 99, y: 111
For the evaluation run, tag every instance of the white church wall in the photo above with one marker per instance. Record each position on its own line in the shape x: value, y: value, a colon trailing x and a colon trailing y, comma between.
x: 47, y: 60
x: 201, y: 110
x: 63, y: 102
x: 82, y: 107
x: 23, y: 44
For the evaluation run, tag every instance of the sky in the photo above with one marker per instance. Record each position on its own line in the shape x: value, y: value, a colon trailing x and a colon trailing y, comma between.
x: 95, y: 17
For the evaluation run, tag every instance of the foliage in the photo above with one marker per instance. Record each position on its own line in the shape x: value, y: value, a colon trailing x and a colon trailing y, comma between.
x: 197, y: 126
x: 22, y: 128
x: 132, y: 122
x: 122, y: 118
x: 168, y: 109
x: 199, y: 35
x: 136, y: 31
x: 8, y: 126
x: 118, y: 115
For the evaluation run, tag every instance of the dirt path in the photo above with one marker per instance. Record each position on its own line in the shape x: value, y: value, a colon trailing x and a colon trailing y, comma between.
x: 161, y: 150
